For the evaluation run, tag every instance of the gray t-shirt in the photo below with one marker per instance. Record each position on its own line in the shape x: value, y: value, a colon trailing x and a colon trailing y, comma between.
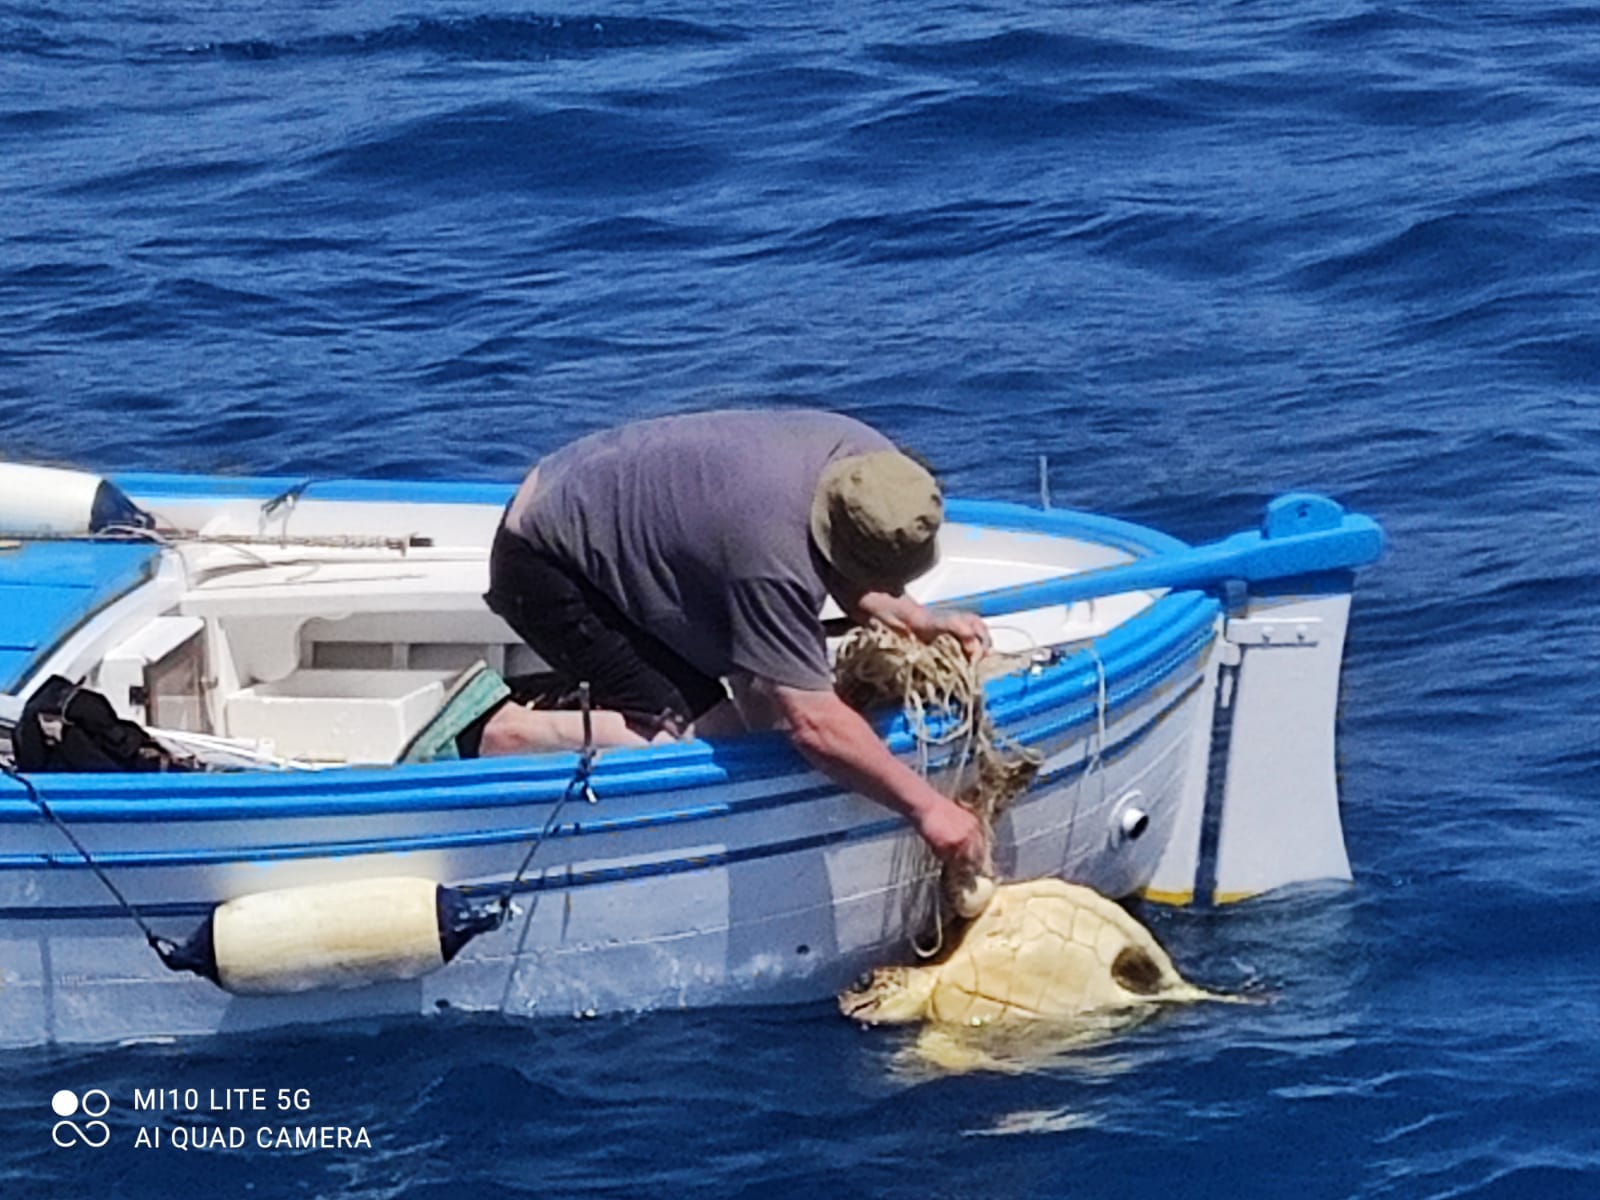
x: 698, y: 528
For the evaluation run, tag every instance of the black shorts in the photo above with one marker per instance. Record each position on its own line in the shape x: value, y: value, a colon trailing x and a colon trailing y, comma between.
x: 585, y: 638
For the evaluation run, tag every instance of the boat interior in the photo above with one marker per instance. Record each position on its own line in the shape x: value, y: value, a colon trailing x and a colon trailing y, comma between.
x: 320, y: 650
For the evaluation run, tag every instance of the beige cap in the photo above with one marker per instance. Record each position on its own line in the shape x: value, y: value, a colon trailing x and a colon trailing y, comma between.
x: 875, y: 518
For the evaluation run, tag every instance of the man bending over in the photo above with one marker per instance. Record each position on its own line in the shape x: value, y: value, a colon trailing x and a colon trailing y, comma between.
x: 657, y: 559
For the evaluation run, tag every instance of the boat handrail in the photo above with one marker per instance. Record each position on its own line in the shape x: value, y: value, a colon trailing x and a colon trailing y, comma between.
x: 1302, y: 534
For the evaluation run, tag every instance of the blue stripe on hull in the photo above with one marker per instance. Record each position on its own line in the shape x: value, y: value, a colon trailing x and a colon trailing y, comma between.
x: 558, y: 879
x: 1034, y: 736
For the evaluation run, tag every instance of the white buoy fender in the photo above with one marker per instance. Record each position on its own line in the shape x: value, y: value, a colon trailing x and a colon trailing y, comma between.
x: 972, y: 896
x: 334, y: 935
x: 46, y: 501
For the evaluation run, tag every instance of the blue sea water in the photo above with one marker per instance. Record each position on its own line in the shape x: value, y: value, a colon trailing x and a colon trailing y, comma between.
x: 1196, y: 253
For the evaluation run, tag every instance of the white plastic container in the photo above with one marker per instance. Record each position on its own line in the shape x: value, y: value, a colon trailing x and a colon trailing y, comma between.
x: 339, y: 715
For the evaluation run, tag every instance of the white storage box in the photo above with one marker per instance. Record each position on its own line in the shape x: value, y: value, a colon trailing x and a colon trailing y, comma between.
x: 339, y: 716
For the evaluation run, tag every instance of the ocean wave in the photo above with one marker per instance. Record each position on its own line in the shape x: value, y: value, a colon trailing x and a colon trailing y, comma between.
x: 940, y: 232
x: 482, y: 38
x: 35, y: 41
x: 1430, y: 256
x: 32, y: 122
x: 158, y: 177
x: 1571, y: 1180
x: 630, y: 234
x: 1027, y: 50
x: 519, y: 148
x: 1372, y: 23
x: 978, y: 122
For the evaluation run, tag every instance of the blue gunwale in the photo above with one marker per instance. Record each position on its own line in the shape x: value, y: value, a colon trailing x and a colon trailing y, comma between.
x: 152, y: 487
x: 521, y: 834
x: 1144, y: 653
x: 561, y: 879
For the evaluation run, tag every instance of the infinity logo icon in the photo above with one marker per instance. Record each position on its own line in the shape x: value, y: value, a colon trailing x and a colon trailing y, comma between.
x: 94, y: 1103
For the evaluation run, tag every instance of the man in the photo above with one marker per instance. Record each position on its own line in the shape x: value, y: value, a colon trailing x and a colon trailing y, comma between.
x: 657, y: 559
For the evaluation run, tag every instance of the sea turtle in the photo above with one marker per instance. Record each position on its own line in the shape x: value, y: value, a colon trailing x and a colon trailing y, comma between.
x: 1041, y: 951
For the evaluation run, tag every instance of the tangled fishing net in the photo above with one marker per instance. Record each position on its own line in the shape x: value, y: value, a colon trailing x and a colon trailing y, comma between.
x: 941, y: 691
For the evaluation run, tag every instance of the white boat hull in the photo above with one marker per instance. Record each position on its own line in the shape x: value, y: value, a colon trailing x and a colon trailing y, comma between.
x: 703, y: 874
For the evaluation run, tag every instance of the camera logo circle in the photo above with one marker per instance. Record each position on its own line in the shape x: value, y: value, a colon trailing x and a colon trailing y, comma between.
x: 94, y: 1103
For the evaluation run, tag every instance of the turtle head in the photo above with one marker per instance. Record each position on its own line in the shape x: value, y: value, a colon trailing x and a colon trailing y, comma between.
x: 1151, y: 976
x: 1139, y: 972
x: 888, y: 996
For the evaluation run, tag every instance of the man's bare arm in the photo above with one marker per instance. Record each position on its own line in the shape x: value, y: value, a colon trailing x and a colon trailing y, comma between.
x: 839, y: 742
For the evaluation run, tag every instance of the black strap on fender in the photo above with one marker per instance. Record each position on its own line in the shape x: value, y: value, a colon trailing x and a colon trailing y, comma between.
x: 462, y: 917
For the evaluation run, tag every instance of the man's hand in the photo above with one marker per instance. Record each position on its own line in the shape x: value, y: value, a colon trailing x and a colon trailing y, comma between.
x: 906, y: 615
x: 968, y: 628
x: 956, y: 837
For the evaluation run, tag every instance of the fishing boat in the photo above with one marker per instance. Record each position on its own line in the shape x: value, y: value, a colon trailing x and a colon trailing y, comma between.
x: 296, y: 636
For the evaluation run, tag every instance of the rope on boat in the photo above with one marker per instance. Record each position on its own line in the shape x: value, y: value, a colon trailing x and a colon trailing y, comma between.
x: 343, y: 541
x: 172, y: 538
x: 578, y: 785
x: 328, y: 541
x: 164, y: 947
x: 139, y: 525
x: 1097, y: 764
x: 941, y: 692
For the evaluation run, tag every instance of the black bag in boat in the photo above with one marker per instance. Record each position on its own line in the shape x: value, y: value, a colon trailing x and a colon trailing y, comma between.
x: 65, y: 727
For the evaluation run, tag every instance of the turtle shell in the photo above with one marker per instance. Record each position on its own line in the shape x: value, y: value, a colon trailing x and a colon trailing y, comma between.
x: 1047, y: 949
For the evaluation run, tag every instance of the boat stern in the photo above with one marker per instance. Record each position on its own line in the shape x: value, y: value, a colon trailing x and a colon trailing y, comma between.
x: 1261, y: 803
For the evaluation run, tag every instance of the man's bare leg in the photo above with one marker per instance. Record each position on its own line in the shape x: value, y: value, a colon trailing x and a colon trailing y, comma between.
x: 518, y: 730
